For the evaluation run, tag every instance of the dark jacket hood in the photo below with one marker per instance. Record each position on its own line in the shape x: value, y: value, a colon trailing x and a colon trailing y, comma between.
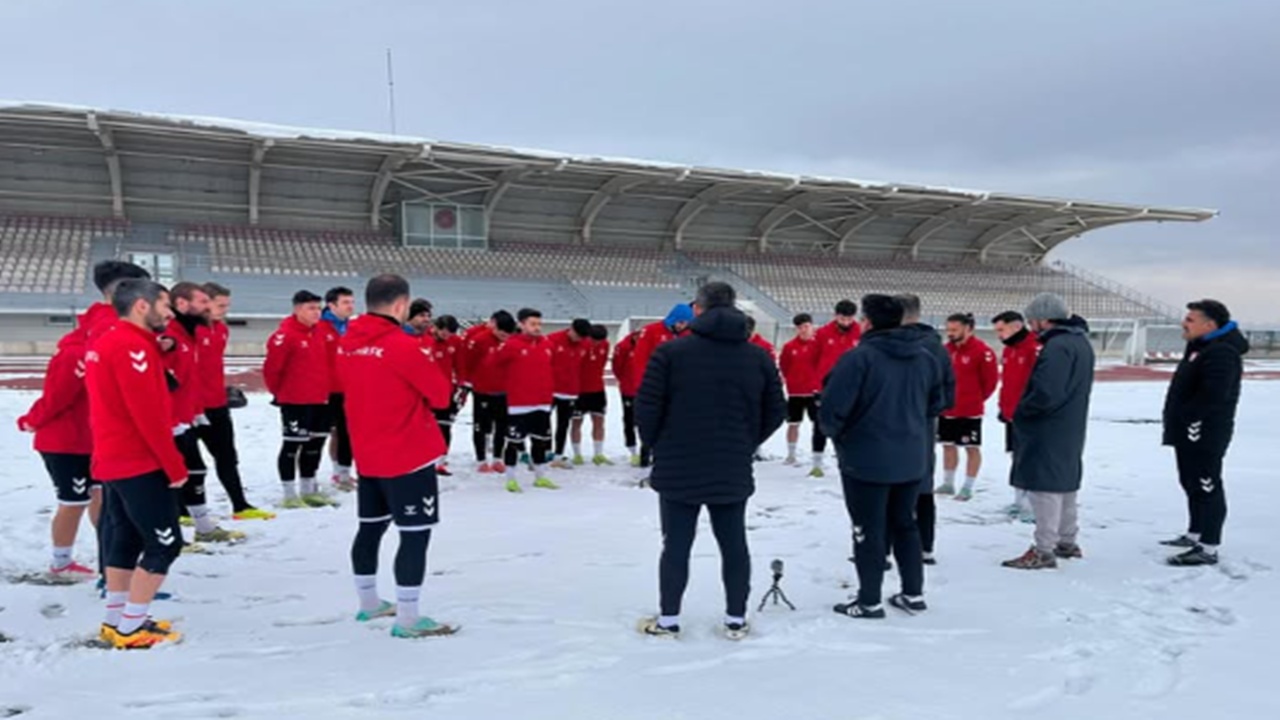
x: 722, y: 324
x: 1076, y: 325
x: 1017, y: 337
x: 902, y: 343
x: 1229, y: 335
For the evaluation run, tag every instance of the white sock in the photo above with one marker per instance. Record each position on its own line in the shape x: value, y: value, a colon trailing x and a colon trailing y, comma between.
x: 817, y: 460
x: 669, y: 621
x: 949, y: 477
x: 290, y: 490
x: 61, y: 557
x: 599, y: 447
x: 367, y: 591
x: 731, y: 620
x: 204, y: 521
x: 511, y: 472
x: 1194, y: 536
x: 1211, y: 549
x: 407, y: 605
x: 132, y: 617
x: 631, y: 449
x: 115, y: 607
x: 539, y: 471
x: 968, y: 482
x: 577, y: 449
x: 791, y: 451
x: 308, y: 486
x: 342, y: 471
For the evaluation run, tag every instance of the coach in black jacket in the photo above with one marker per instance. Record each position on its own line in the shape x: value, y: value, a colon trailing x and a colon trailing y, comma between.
x: 707, y: 401
x: 878, y: 409
x: 1199, y: 421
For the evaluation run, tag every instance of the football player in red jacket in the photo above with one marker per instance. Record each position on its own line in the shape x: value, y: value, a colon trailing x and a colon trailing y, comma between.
x: 1021, y: 348
x: 339, y: 308
x: 977, y: 375
x: 620, y: 363
x: 525, y: 363
x: 591, y: 398
x: 837, y: 338
x: 447, y: 353
x: 481, y: 375
x: 297, y: 374
x: 180, y: 350
x: 798, y: 364
x: 135, y: 457
x: 674, y: 325
x: 568, y: 347
x: 391, y: 387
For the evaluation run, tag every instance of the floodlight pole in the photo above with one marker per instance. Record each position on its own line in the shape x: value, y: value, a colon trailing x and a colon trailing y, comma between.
x: 391, y: 92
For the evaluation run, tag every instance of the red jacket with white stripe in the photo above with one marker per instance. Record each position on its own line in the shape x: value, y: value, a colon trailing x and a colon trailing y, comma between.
x: 566, y: 363
x: 482, y: 371
x: 1017, y: 360
x: 182, y: 362
x: 594, y: 361
x: 833, y: 342
x: 60, y: 417
x: 525, y: 362
x: 391, y: 384
x: 623, y: 353
x: 977, y: 375
x: 212, y: 342
x: 297, y: 369
x: 129, y: 407
x: 799, y: 366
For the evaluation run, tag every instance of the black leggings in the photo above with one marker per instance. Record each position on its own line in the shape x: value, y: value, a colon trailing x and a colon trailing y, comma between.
x: 411, y: 556
x: 679, y: 526
x: 1200, y: 472
x: 927, y: 519
x: 629, y: 420
x: 489, y: 418
x: 564, y: 418
x: 219, y: 438
x: 300, y: 459
x: 879, y: 512
x: 192, y: 492
x: 341, y: 436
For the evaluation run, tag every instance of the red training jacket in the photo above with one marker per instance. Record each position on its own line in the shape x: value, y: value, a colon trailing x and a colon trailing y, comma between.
x: 977, y: 375
x: 60, y: 417
x: 97, y: 319
x: 448, y: 357
x: 566, y: 364
x: 483, y: 373
x: 335, y: 378
x: 799, y: 366
x: 297, y: 367
x: 623, y: 353
x: 833, y: 342
x: 183, y: 363
x: 391, y: 386
x: 764, y: 345
x: 525, y: 362
x: 129, y: 407
x: 594, y: 361
x: 212, y: 341
x: 651, y: 336
x: 1016, y: 360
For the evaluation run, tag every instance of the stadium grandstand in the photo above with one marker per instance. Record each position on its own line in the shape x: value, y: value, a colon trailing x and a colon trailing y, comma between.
x: 267, y: 210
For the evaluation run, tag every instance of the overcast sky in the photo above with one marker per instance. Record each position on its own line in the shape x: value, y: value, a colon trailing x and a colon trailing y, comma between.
x: 1162, y: 102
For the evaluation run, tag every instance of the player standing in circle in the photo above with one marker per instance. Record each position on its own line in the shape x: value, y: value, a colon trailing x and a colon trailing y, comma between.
x: 391, y: 387
x: 485, y: 380
x: 568, y: 347
x: 977, y: 375
x: 136, y: 459
x: 798, y: 364
x: 620, y: 364
x: 297, y: 374
x: 340, y: 306
x: 1021, y: 348
x: 525, y: 361
x: 591, y: 398
x: 834, y: 339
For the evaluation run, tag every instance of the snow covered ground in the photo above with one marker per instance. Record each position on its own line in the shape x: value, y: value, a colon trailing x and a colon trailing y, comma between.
x: 548, y: 587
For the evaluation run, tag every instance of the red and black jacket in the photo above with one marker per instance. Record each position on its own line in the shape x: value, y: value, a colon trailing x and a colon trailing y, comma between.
x: 297, y: 370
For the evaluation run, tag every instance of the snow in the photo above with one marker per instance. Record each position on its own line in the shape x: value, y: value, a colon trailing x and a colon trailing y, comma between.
x: 548, y: 587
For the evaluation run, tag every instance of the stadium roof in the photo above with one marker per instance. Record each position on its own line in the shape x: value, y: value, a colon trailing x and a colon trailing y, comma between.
x: 176, y: 169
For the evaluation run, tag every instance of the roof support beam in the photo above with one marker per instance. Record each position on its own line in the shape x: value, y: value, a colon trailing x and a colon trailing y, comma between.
x: 999, y: 233
x: 113, y: 164
x: 922, y: 232
x: 694, y: 207
x: 782, y: 211
x: 505, y: 180
x: 591, y: 208
x: 382, y: 181
x: 255, y: 178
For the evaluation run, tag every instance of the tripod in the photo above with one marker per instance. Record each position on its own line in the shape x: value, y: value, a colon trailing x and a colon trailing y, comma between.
x: 775, y: 591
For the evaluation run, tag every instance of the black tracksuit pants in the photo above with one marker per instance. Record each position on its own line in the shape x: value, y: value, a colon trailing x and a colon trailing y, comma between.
x: 879, y: 512
x: 679, y: 526
x: 219, y: 437
x: 1200, y: 472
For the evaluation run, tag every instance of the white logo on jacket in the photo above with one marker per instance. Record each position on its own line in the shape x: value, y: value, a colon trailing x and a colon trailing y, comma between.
x: 370, y: 351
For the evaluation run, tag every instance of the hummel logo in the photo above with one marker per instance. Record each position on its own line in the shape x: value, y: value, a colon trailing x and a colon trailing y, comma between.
x: 858, y: 535
x: 80, y: 485
x: 279, y: 340
x: 294, y: 425
x: 1194, y: 430
x: 1207, y: 484
x: 138, y: 356
x: 410, y: 510
x: 430, y: 504
x: 165, y: 536
x: 79, y: 371
x: 140, y: 367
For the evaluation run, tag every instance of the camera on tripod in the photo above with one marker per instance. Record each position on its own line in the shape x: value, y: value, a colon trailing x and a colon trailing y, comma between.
x: 775, y: 591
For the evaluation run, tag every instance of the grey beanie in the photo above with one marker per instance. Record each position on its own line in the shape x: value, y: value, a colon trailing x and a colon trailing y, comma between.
x: 1047, y: 306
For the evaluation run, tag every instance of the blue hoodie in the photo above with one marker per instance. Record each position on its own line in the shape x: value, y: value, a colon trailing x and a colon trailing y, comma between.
x: 681, y: 313
x: 338, y: 324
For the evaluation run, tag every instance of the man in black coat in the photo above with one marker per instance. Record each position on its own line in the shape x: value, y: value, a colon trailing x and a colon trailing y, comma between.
x: 707, y: 401
x: 1199, y: 420
x: 926, y: 508
x: 878, y: 408
x: 1049, y: 428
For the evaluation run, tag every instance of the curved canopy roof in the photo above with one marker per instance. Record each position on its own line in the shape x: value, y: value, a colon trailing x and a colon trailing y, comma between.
x: 176, y: 169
